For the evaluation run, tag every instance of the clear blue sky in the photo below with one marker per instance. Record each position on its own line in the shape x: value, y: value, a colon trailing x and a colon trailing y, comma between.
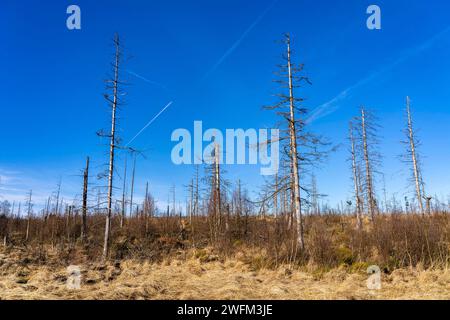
x: 52, y: 83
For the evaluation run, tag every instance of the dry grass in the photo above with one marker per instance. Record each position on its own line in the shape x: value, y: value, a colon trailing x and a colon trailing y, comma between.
x: 254, y: 259
x: 195, y: 278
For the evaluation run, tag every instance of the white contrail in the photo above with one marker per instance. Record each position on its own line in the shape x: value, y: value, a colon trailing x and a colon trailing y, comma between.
x: 149, y: 123
x: 238, y: 42
x: 331, y: 106
x: 147, y: 80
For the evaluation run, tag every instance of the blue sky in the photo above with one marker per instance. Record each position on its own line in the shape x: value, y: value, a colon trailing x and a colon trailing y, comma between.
x: 214, y: 60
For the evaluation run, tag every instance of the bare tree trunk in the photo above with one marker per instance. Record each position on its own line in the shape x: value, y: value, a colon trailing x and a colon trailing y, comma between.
x: 240, y: 206
x: 68, y: 225
x: 217, y: 201
x: 47, y: 211
x: 428, y: 205
x: 84, y: 209
x: 191, y: 201
x: 275, y: 197
x: 196, y: 204
x: 174, y: 200
x: 132, y: 186
x: 356, y: 180
x: 294, y: 153
x: 5, y: 237
x: 146, y: 209
x: 314, y: 195
x: 122, y: 216
x: 369, y: 181
x: 27, y: 233
x: 112, y: 148
x: 412, y: 145
x: 197, y: 195
x: 386, y: 209
x: 57, y: 197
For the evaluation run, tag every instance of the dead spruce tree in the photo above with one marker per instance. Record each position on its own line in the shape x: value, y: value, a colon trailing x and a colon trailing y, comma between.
x: 113, y: 85
x: 412, y: 157
x: 217, y: 195
x: 367, y: 152
x: 216, y: 186
x: 6, y: 214
x: 356, y: 176
x: 301, y: 148
x: 314, y: 196
x: 29, y: 204
x: 193, y: 190
x: 194, y: 202
x: 190, y: 203
x: 124, y: 194
x: 196, y: 193
x: 215, y: 207
x: 237, y: 204
x: 148, y: 206
x: 84, y: 205
x: 132, y: 184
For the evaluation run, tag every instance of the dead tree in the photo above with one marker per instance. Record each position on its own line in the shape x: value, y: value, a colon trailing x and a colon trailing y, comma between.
x: 58, y: 192
x: 132, y: 185
x: 190, y: 206
x: 173, y: 191
x: 113, y: 84
x: 146, y: 209
x: 314, y: 195
x: 29, y: 212
x: 193, y: 202
x: 84, y: 208
x: 237, y: 205
x: 47, y: 210
x: 195, y: 209
x: 275, y: 197
x: 217, y: 186
x: 294, y: 137
x: 124, y: 187
x: 213, y: 177
x: 386, y: 206
x: 69, y: 214
x: 356, y: 178
x: 217, y: 201
x: 294, y: 151
x: 6, y: 213
x: 428, y: 204
x: 197, y: 192
x: 371, y: 158
x: 413, y: 158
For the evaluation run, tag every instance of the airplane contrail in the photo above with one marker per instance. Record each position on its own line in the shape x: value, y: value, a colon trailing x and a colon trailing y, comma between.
x: 147, y: 80
x: 149, y: 123
x: 239, y: 41
x: 331, y: 106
